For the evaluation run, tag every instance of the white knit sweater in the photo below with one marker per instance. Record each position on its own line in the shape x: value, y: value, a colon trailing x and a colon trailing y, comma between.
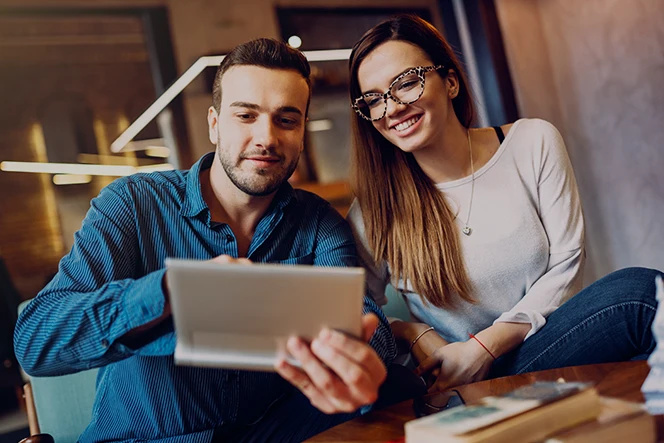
x: 526, y: 253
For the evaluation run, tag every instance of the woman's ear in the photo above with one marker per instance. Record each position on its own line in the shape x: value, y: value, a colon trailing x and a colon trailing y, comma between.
x: 452, y: 82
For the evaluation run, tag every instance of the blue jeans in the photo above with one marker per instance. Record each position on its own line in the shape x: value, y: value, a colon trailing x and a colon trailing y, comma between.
x: 609, y: 321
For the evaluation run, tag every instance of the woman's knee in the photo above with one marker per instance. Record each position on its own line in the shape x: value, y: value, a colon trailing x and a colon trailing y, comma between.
x: 629, y: 284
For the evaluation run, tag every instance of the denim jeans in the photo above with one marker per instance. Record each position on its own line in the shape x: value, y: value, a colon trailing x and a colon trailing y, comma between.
x: 609, y: 321
x: 606, y: 322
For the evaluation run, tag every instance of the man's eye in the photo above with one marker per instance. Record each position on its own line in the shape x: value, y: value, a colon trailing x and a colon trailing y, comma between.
x: 287, y: 122
x: 244, y: 116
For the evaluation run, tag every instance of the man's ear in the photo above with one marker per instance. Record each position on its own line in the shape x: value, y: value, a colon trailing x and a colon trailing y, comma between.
x: 213, y: 121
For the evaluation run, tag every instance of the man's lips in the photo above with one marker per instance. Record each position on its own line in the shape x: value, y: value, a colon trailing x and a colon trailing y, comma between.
x: 263, y: 161
x: 260, y: 158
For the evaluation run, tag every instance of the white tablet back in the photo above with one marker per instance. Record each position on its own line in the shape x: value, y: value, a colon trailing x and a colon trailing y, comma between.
x: 240, y: 316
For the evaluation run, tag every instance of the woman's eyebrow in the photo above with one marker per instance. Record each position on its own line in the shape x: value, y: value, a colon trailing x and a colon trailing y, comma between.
x: 375, y: 91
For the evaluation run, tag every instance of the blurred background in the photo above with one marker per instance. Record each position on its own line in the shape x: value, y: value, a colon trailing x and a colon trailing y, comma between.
x: 74, y: 74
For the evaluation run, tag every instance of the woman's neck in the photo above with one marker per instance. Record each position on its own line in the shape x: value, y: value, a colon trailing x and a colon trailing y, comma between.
x: 449, y: 158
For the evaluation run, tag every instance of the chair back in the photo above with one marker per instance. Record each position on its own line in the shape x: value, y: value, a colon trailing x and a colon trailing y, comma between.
x: 64, y: 403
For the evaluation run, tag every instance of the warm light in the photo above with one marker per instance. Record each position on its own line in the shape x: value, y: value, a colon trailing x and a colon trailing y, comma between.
x: 189, y: 75
x: 319, y: 125
x: 73, y: 168
x: 102, y: 159
x: 158, y: 151
x: 71, y: 179
x: 295, y: 41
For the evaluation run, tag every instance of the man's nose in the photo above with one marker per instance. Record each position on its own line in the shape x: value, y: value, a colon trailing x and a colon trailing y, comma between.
x: 266, y: 134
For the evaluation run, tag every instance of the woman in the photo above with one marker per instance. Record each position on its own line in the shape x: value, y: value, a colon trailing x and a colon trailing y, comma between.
x: 481, y: 230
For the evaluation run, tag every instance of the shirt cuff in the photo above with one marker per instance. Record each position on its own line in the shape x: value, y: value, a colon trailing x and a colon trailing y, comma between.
x: 536, y: 320
x: 144, y: 300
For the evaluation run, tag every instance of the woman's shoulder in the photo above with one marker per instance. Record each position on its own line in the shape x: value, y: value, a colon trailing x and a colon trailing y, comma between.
x: 535, y: 128
x: 536, y: 142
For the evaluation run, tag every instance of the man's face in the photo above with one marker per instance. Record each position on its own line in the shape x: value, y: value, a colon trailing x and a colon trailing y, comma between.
x: 259, y: 130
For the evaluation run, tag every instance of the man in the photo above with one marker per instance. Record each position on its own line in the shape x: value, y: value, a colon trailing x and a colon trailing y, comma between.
x: 108, y: 305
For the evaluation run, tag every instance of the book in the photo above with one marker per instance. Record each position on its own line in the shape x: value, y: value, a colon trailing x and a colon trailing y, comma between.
x: 528, y: 414
x: 619, y: 421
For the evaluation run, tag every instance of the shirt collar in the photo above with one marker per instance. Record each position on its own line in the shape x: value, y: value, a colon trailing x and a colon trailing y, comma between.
x: 194, y: 204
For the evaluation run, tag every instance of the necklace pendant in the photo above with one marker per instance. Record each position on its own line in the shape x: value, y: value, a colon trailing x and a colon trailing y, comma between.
x: 467, y: 230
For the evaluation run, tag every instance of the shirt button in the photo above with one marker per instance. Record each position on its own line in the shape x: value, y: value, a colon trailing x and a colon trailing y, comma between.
x: 229, y: 238
x: 104, y: 343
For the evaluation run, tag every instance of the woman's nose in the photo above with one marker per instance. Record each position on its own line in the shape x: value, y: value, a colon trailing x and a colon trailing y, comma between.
x: 393, y: 107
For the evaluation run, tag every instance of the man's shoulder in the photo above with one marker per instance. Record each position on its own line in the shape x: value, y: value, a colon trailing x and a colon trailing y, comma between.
x: 148, y: 187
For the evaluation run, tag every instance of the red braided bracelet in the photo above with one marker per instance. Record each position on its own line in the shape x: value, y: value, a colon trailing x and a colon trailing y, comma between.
x: 482, y: 344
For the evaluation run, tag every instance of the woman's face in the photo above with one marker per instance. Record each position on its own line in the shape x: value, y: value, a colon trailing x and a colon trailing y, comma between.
x: 417, y: 125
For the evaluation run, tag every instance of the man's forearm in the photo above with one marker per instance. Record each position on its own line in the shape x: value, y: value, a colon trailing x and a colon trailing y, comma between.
x: 141, y: 335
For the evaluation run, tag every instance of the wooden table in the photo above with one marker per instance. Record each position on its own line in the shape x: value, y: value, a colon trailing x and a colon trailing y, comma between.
x: 620, y: 380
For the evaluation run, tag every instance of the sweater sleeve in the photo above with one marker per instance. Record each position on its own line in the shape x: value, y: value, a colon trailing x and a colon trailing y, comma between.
x: 559, y: 208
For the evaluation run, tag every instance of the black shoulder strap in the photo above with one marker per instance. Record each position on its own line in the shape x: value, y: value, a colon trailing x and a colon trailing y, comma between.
x: 499, y: 133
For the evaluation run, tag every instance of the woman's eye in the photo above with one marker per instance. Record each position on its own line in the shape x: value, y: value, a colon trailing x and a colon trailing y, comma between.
x: 408, y: 84
x: 373, y: 101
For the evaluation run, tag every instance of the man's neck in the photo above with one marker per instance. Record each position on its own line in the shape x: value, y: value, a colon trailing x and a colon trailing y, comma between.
x: 228, y: 204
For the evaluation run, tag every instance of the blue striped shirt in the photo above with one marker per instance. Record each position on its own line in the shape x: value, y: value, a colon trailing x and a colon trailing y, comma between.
x: 111, y: 283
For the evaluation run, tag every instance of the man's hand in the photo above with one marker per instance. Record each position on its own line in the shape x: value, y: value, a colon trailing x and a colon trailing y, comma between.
x: 458, y: 364
x: 339, y: 373
x: 226, y: 259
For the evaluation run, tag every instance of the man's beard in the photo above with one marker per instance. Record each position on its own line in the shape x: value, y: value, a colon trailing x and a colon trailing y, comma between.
x: 263, y: 181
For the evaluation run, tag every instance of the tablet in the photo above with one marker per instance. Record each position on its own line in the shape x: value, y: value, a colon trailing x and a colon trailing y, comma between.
x: 240, y: 316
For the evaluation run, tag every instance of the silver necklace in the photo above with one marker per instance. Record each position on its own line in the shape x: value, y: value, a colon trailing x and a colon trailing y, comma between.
x: 467, y: 229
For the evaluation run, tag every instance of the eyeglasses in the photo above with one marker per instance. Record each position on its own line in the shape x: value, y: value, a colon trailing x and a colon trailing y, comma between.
x: 407, y: 88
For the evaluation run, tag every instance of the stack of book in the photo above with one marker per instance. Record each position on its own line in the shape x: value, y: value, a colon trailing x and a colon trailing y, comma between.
x: 544, y: 411
x: 653, y: 387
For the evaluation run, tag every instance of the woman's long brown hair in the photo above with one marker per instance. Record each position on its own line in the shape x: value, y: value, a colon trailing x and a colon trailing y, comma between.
x: 406, y: 219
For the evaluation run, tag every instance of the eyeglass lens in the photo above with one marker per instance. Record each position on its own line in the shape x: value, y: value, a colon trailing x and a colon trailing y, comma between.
x: 406, y: 90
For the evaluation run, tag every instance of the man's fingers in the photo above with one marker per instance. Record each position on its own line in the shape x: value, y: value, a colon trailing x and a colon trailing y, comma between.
x: 301, y: 381
x: 326, y: 381
x: 356, y: 351
x: 227, y: 259
x: 369, y: 325
x: 362, y: 385
x: 222, y: 259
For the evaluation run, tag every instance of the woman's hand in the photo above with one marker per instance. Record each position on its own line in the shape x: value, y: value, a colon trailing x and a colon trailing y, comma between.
x: 427, y: 343
x: 458, y: 364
